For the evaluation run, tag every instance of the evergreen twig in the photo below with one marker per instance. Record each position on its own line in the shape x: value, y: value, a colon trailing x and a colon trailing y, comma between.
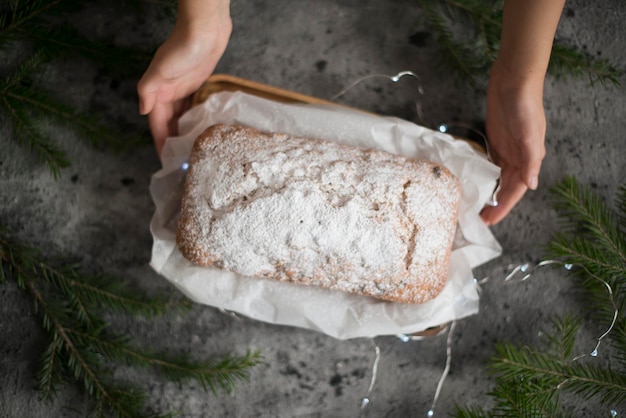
x: 41, y: 26
x: 529, y: 380
x: 21, y: 14
x: 470, y: 57
x: 459, y: 57
x: 71, y: 306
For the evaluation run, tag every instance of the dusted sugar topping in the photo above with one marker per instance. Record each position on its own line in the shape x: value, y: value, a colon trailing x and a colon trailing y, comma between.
x: 318, y: 213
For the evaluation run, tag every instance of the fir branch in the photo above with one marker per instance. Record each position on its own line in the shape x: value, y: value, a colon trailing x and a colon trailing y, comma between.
x: 470, y: 58
x: 479, y: 11
x: 212, y: 374
x: 46, y: 106
x: 111, y: 292
x: 594, y: 240
x: 26, y: 131
x: 529, y: 381
x: 486, y: 18
x: 471, y: 412
x: 561, y: 341
x: 578, y: 250
x: 526, y: 398
x: 61, y: 40
x: 568, y: 62
x: 80, y: 341
x: 29, y: 12
x: 591, y: 381
x: 459, y: 57
x: 82, y: 364
x: 525, y: 363
x: 83, y: 292
x: 39, y: 25
x: 579, y: 208
x: 25, y: 106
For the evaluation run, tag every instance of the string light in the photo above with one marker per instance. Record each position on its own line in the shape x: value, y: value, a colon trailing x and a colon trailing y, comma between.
x: 394, y: 78
x: 446, y: 370
x: 516, y: 270
x: 366, y: 400
x: 529, y: 270
x: 525, y: 268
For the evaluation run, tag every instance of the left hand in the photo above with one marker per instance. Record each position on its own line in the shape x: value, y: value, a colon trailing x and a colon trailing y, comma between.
x: 178, y: 68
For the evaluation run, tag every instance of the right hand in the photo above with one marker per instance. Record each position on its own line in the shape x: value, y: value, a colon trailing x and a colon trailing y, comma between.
x: 516, y: 130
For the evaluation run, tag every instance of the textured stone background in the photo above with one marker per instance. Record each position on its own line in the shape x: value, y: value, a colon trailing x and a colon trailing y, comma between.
x: 99, y: 210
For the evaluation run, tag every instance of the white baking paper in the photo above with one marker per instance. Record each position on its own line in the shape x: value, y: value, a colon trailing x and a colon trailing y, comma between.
x: 334, y: 313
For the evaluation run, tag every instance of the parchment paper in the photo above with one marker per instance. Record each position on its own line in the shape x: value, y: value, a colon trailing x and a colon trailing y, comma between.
x: 334, y: 313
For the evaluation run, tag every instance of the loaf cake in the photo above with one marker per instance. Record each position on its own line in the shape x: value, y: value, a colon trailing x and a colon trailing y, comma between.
x: 313, y: 212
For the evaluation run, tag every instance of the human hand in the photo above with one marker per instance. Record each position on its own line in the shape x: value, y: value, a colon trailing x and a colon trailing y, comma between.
x: 182, y: 64
x: 516, y: 128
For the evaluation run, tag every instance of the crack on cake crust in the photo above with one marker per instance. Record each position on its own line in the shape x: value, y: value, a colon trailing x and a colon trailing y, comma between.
x: 412, y: 226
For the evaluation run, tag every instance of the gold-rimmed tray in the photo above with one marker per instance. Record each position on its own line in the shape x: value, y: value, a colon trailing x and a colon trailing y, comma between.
x: 223, y: 82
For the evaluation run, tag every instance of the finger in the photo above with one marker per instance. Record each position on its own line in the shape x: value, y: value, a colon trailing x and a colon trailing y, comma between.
x: 529, y: 171
x: 532, y: 150
x: 147, y: 91
x: 160, y: 121
x: 153, y: 88
x: 511, y: 192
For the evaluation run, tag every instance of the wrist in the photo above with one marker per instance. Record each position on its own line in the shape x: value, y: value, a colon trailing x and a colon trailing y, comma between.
x: 516, y: 80
x: 199, y: 17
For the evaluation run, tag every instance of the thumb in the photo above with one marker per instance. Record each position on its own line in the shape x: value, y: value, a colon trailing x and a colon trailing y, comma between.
x: 147, y: 90
x: 533, y: 158
x: 147, y: 98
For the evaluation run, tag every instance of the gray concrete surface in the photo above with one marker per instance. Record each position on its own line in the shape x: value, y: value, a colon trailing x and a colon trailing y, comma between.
x: 98, y: 212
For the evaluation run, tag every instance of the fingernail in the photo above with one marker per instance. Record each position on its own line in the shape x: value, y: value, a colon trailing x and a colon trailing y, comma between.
x: 533, y: 183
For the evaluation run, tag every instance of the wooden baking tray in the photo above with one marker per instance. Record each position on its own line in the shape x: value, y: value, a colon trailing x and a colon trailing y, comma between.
x: 224, y: 82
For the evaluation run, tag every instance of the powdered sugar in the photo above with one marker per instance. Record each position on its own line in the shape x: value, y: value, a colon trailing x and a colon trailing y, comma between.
x: 317, y: 213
